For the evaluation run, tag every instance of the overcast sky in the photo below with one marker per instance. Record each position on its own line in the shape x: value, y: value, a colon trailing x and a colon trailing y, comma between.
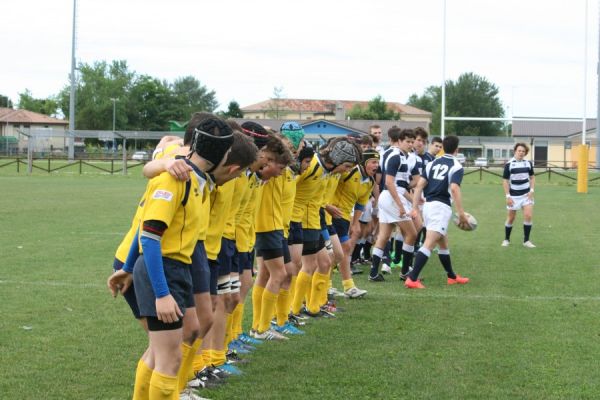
x: 533, y: 50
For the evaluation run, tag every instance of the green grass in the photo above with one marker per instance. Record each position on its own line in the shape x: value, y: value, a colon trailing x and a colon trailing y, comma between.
x: 525, y: 327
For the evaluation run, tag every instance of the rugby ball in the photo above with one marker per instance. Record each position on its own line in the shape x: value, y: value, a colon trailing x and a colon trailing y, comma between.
x: 472, y: 222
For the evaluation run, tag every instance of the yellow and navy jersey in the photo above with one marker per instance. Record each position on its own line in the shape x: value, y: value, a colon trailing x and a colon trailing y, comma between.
x: 123, y: 249
x: 332, y: 184
x: 244, y: 230
x: 220, y: 201
x: 179, y: 205
x: 310, y: 187
x: 354, y: 188
x: 239, y: 188
x: 287, y: 200
x: 269, y: 216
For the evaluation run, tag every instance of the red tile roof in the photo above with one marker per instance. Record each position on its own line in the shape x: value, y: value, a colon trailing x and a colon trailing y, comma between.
x: 326, y: 106
x: 12, y: 116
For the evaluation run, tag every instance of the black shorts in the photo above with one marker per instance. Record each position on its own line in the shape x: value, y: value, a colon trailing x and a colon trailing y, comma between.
x: 295, y: 234
x: 200, y: 271
x: 332, y: 229
x: 129, y: 295
x: 269, y: 240
x: 311, y: 235
x: 179, y: 281
x: 225, y: 256
x: 213, y: 267
x: 342, y: 227
x: 286, y: 251
x: 245, y: 261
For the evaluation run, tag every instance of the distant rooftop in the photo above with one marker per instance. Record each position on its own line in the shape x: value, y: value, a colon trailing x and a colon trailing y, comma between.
x: 16, y: 116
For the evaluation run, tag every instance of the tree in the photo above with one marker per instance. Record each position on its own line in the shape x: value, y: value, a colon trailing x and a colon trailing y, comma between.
x: 233, y: 110
x: 47, y: 106
x: 470, y: 96
x: 376, y: 109
x: 275, y: 106
x: 190, y: 96
x: 5, y: 101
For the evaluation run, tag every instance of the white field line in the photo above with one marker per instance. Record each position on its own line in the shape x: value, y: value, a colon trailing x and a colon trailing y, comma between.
x: 427, y: 293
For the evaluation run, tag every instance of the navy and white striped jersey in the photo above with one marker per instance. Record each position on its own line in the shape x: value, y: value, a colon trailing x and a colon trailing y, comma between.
x: 518, y: 173
x: 397, y: 165
x: 440, y: 173
x: 415, y: 163
x: 385, y: 155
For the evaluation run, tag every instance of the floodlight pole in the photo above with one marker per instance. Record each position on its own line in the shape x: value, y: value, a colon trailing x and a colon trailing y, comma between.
x: 71, y: 141
x: 582, y: 164
x: 443, y: 106
x: 114, y: 101
x: 598, y: 101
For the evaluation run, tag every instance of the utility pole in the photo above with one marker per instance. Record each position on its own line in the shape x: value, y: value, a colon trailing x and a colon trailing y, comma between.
x: 71, y: 141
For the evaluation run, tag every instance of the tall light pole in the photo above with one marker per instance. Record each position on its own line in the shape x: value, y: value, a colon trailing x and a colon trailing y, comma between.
x: 72, y: 96
x: 114, y: 100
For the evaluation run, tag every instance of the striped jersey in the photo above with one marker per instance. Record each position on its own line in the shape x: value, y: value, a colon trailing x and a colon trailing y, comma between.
x: 440, y: 174
x: 518, y: 175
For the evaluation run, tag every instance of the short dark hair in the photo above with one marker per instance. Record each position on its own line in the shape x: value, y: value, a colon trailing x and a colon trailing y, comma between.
x: 197, y: 117
x: 422, y: 133
x: 407, y: 134
x: 521, y: 144
x: 277, y: 147
x: 394, y: 133
x: 450, y: 144
x: 233, y: 125
x: 243, y: 151
x: 436, y: 139
x: 374, y: 126
x: 367, y: 140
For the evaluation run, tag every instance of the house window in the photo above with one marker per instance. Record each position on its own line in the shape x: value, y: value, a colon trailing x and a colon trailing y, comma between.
x: 567, y: 145
x: 497, y: 153
x: 504, y: 153
x: 511, y: 153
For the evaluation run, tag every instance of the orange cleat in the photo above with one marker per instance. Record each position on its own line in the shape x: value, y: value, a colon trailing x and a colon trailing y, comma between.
x: 410, y: 284
x: 459, y: 279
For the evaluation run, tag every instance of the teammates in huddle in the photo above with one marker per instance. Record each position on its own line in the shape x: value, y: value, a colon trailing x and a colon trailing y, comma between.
x: 229, y: 193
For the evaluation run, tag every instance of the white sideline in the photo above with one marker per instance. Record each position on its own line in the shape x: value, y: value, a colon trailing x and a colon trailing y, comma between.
x: 427, y: 293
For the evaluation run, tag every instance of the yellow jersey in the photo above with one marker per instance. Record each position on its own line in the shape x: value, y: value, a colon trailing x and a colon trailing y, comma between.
x: 332, y: 184
x: 169, y: 200
x: 239, y: 189
x: 244, y: 230
x: 353, y: 188
x: 220, y: 201
x: 310, y: 187
x: 287, y: 200
x: 269, y: 216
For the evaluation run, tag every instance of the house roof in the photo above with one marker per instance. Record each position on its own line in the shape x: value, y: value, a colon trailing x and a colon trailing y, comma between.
x: 12, y: 116
x: 550, y: 129
x: 360, y: 126
x: 327, y: 106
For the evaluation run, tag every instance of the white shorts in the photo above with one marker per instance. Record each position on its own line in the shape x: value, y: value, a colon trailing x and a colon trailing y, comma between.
x: 519, y: 202
x: 389, y: 213
x: 366, y: 215
x: 436, y: 216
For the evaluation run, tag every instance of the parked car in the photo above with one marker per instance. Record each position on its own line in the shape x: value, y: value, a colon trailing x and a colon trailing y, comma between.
x: 481, y: 162
x: 461, y: 158
x: 140, y: 156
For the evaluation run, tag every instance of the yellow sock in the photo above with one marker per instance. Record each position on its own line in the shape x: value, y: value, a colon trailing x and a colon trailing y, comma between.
x: 141, y: 389
x: 302, y: 284
x: 163, y: 387
x: 187, y: 359
x: 198, y: 364
x: 308, y: 294
x: 319, y: 285
x: 207, y: 356
x: 219, y: 357
x: 236, y: 322
x: 292, y: 289
x: 269, y: 300
x: 228, y: 330
x: 257, y: 293
x: 348, y: 284
x: 282, y: 307
x: 328, y: 284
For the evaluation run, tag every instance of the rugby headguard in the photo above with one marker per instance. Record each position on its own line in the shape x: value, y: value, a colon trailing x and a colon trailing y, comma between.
x: 343, y: 151
x: 369, y: 154
x: 257, y: 132
x: 293, y: 131
x: 212, y: 139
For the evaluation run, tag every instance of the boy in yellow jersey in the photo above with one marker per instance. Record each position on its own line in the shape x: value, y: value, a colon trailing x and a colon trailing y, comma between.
x: 353, y: 193
x: 269, y: 242
x: 170, y: 222
x: 340, y: 156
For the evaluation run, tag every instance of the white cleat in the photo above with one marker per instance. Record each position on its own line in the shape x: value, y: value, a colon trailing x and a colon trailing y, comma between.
x: 189, y: 394
x: 355, y: 293
x: 270, y: 334
x: 505, y: 243
x: 529, y: 245
x: 386, y: 269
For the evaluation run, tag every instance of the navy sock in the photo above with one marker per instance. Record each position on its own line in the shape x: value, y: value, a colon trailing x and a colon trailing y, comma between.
x: 526, y: 231
x: 507, y: 231
x: 356, y: 252
x: 444, y: 256
x: 408, y: 252
x: 377, y: 255
x: 420, y: 260
x: 398, y: 251
x: 367, y: 250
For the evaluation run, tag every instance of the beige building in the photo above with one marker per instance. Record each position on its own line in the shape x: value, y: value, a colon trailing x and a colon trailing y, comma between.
x: 17, y: 126
x: 306, y: 109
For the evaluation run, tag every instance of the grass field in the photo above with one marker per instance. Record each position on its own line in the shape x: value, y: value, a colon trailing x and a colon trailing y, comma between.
x: 524, y: 328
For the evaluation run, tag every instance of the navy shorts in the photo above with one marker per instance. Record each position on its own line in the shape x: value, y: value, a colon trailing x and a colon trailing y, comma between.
x: 332, y: 229
x: 311, y: 235
x: 269, y: 240
x: 295, y: 233
x: 200, y: 271
x: 286, y: 251
x: 179, y: 281
x: 130, y: 293
x: 245, y: 261
x: 342, y: 227
x: 225, y: 257
x: 213, y: 267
